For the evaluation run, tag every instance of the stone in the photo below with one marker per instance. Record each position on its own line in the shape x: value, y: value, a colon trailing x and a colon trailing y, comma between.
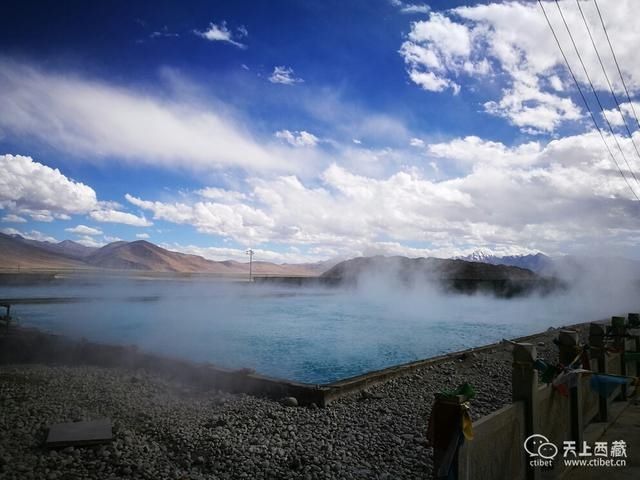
x: 80, y: 433
x: 289, y: 402
x: 367, y: 395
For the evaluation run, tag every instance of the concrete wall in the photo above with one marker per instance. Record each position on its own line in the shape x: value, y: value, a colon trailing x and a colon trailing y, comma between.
x: 497, y: 450
x: 503, y: 432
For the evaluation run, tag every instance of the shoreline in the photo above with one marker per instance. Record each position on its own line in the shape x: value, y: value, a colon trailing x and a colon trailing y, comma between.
x: 169, y: 427
x: 33, y: 345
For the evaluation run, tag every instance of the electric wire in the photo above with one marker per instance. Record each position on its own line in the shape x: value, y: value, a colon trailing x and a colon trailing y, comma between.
x: 595, y: 94
x: 615, y: 59
x: 604, y: 71
x: 584, y: 99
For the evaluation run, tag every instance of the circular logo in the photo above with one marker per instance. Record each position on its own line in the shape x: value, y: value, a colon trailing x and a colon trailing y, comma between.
x: 537, y: 445
x: 533, y: 443
x: 547, y: 451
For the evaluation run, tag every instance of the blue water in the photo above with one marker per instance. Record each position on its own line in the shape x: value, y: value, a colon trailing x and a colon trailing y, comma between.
x: 308, y: 335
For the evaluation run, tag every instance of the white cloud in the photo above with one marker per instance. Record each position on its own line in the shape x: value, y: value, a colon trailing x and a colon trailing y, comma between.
x: 416, y: 142
x: 511, y: 42
x: 45, y: 194
x: 410, y: 8
x: 84, y: 230
x: 115, y: 216
x: 39, y: 191
x: 617, y: 120
x: 96, y: 121
x: 298, y: 139
x: 220, y: 33
x: 532, y: 196
x: 11, y: 218
x: 143, y: 236
x: 89, y: 241
x: 284, y: 75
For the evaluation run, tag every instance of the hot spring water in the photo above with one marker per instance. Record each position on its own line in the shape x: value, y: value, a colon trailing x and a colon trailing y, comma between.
x: 303, y: 334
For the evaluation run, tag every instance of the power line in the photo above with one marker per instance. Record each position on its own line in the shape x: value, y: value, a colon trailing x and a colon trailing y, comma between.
x: 595, y: 94
x: 607, y: 78
x: 615, y: 59
x: 584, y: 99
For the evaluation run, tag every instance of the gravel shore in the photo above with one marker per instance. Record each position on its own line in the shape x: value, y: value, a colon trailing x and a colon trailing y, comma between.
x: 163, y: 429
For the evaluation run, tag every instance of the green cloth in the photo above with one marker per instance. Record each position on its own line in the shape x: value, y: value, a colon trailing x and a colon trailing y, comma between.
x: 547, y: 371
x: 466, y: 390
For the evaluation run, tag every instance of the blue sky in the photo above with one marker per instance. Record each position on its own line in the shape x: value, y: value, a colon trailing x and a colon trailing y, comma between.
x: 309, y: 130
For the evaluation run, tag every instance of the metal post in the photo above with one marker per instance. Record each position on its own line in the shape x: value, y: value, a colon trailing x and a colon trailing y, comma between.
x: 250, y: 253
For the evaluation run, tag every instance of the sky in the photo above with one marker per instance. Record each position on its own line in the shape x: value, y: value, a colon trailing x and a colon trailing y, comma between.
x: 314, y: 130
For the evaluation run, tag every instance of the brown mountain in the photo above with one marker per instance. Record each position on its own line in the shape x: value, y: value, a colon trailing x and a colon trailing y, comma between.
x: 451, y: 275
x: 425, y: 268
x: 66, y: 248
x: 145, y: 256
x: 17, y: 252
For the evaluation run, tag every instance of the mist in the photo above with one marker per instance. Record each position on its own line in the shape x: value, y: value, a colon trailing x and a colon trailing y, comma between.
x: 320, y: 334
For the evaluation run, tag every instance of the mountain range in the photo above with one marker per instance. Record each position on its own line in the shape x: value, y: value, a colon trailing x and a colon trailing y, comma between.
x: 18, y: 253
x: 538, y: 262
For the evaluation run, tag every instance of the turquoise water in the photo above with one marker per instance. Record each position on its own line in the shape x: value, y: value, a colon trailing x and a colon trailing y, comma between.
x: 308, y: 335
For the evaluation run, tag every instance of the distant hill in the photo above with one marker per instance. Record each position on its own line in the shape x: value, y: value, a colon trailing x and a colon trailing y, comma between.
x: 425, y: 268
x: 67, y: 248
x: 17, y: 252
x: 571, y: 268
x: 456, y: 275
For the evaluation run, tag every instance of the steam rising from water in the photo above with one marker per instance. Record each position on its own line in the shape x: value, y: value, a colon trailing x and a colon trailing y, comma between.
x: 317, y: 335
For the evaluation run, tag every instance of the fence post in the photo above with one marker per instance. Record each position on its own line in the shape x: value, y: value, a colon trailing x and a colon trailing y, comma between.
x: 599, y: 352
x: 445, y: 434
x: 569, y: 346
x: 634, y: 322
x: 619, y: 331
x: 524, y: 384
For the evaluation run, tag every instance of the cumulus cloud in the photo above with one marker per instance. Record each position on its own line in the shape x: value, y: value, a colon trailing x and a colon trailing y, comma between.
x: 220, y: 33
x: 143, y: 236
x: 284, y: 75
x: 12, y: 218
x: 84, y: 230
x: 298, y: 139
x: 43, y: 193
x: 511, y: 42
x: 629, y: 112
x: 89, y: 241
x: 532, y: 196
x: 116, y: 216
x: 38, y: 190
x: 95, y: 120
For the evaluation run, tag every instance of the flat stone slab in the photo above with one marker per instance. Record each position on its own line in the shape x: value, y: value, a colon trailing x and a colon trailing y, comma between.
x: 80, y: 433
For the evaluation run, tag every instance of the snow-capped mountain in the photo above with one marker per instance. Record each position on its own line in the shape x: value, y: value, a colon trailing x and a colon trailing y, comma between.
x: 537, y: 262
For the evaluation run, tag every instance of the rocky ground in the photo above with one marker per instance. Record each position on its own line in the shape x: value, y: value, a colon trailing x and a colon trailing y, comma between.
x: 163, y: 429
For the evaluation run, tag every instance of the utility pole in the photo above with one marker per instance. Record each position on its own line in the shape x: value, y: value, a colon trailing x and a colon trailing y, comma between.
x: 250, y: 253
